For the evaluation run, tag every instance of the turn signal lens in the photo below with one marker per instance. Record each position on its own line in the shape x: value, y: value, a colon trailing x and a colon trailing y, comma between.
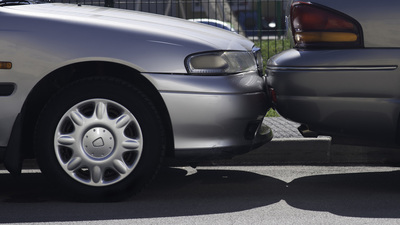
x: 309, y: 37
x: 5, y: 65
x: 320, y: 27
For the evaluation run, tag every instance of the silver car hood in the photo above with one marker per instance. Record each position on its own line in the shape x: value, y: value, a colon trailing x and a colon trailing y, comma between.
x: 64, y: 33
x: 140, y: 22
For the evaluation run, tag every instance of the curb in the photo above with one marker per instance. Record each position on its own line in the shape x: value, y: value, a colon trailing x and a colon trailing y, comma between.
x: 313, y: 151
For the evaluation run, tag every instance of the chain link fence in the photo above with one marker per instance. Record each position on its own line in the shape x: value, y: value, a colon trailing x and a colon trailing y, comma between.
x: 262, y: 21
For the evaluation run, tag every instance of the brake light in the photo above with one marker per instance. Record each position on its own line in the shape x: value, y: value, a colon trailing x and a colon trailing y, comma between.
x: 272, y: 95
x: 321, y: 27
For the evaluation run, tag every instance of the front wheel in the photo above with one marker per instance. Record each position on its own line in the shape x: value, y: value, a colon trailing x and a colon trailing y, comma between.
x: 101, y: 139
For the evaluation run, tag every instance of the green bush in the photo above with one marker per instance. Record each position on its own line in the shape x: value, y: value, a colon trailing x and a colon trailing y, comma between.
x: 272, y: 47
x: 272, y: 113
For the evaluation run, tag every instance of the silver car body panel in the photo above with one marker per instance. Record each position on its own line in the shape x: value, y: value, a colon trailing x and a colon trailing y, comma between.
x: 156, y: 46
x: 345, y: 91
x: 339, y: 91
x: 197, y: 122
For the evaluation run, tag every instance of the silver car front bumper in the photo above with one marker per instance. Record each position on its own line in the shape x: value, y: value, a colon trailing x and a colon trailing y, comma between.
x: 215, y: 116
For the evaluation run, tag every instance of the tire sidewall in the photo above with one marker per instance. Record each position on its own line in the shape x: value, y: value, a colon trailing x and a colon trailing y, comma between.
x: 126, y: 95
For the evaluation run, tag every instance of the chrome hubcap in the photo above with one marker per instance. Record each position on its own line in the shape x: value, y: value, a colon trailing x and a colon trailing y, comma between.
x: 98, y: 142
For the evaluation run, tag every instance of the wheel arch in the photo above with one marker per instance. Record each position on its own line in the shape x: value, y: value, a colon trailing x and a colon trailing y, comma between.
x: 61, y: 77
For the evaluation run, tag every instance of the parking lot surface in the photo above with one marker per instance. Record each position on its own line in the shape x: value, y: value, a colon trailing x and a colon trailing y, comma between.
x: 221, y: 195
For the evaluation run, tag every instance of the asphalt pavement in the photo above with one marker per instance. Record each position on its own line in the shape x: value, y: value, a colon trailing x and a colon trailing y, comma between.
x: 219, y: 195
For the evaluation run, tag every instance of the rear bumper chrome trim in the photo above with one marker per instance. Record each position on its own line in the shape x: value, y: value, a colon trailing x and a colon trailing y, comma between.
x: 330, y: 68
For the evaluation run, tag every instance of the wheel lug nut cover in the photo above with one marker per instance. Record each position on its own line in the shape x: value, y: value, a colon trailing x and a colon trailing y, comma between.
x: 98, y: 142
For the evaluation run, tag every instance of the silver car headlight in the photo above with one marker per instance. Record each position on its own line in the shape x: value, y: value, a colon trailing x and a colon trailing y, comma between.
x: 221, y: 62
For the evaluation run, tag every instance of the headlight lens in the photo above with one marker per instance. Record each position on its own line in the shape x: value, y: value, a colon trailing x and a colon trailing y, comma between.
x: 223, y: 62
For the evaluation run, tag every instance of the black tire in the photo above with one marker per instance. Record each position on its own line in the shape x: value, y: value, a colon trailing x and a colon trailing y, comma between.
x: 100, y: 139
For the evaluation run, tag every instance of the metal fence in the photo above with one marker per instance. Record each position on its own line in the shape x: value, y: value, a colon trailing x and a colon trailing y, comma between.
x: 262, y: 21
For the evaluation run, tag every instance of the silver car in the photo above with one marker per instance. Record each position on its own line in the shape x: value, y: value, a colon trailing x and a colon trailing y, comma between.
x: 342, y: 77
x: 100, y: 96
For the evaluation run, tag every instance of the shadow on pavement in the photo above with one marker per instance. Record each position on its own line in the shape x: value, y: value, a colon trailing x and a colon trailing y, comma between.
x: 30, y: 198
x: 368, y: 195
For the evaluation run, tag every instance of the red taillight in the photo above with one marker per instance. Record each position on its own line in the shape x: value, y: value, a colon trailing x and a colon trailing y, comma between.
x: 272, y: 95
x: 318, y: 26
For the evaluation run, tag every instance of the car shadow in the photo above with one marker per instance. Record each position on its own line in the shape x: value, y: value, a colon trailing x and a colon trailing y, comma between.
x: 31, y: 198
x: 367, y: 195
x: 210, y: 191
x: 178, y: 192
